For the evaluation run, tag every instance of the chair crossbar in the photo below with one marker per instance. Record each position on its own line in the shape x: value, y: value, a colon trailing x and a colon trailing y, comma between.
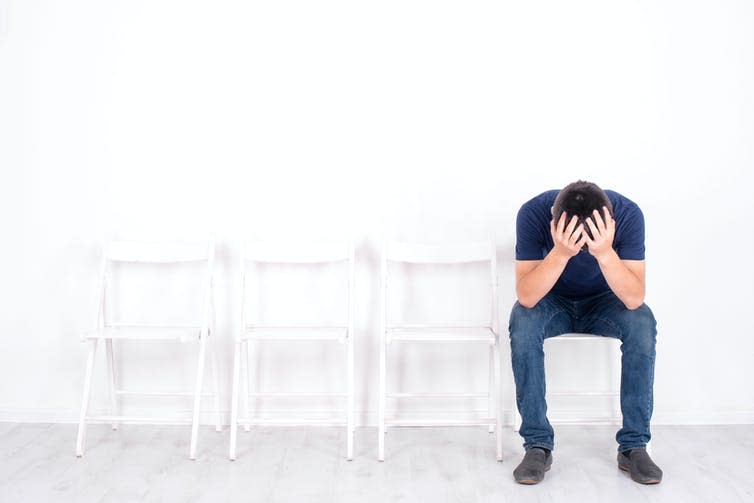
x: 145, y: 333
x: 135, y: 419
x: 160, y: 393
x: 297, y: 393
x: 287, y: 421
x: 490, y: 421
x: 480, y: 394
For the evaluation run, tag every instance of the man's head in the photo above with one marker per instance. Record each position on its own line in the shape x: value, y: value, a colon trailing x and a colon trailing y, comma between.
x: 581, y: 199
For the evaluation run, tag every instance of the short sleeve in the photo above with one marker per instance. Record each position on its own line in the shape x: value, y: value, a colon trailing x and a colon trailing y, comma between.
x: 529, y: 239
x: 630, y: 235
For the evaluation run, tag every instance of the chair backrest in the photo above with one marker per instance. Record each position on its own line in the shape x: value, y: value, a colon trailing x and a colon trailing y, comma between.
x: 299, y: 253
x: 117, y: 252
x: 151, y: 252
x: 450, y: 253
x: 444, y: 253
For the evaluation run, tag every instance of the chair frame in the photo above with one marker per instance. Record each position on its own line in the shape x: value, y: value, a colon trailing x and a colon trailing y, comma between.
x: 150, y: 253
x: 301, y: 254
x: 565, y: 339
x: 421, y: 253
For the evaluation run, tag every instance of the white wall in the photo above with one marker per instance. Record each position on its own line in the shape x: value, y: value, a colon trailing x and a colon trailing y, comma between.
x: 410, y: 119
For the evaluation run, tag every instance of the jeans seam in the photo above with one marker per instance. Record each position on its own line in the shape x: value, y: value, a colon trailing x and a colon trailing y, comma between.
x: 549, y: 320
x: 544, y: 328
x: 650, y: 397
x: 614, y: 325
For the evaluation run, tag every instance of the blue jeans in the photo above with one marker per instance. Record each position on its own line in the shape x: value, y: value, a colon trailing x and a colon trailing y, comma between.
x: 603, y: 314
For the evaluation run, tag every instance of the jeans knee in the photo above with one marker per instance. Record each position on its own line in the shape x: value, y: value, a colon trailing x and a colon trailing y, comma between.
x: 640, y: 330
x: 526, y: 327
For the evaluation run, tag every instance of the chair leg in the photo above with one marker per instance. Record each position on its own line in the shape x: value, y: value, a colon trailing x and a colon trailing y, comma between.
x: 111, y: 381
x: 197, y: 395
x: 234, y: 402
x: 85, y: 398
x: 491, y: 387
x: 349, y: 396
x: 247, y: 385
x: 382, y: 398
x: 216, y: 387
x: 498, y: 403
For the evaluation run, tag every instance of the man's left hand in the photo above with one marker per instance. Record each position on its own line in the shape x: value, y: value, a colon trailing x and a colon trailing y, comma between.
x: 603, y: 232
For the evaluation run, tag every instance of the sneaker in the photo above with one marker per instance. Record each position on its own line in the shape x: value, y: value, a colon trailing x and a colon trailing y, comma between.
x: 532, y: 468
x: 640, y: 466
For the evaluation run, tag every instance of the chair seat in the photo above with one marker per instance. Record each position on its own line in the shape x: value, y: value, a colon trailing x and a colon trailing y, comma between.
x: 578, y: 336
x: 295, y: 333
x: 144, y: 333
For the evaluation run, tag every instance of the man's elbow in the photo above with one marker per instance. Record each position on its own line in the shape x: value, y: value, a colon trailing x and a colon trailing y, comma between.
x: 527, y: 302
x: 634, y: 303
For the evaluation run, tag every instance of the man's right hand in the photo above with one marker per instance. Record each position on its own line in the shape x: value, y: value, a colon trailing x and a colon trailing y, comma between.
x: 534, y: 278
x: 569, y: 239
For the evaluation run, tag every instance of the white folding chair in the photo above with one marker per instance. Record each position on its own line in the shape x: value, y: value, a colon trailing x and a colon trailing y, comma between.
x: 456, y: 253
x: 612, y: 346
x: 108, y: 329
x: 259, y: 254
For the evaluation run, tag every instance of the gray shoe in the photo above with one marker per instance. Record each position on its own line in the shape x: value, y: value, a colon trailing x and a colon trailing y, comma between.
x: 532, y: 468
x: 641, y: 467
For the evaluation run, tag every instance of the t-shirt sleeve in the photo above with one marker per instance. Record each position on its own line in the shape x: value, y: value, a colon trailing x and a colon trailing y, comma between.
x: 529, y: 242
x: 631, y: 243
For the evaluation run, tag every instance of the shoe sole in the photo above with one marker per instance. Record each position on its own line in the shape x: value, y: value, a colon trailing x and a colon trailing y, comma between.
x: 627, y: 469
x: 530, y: 482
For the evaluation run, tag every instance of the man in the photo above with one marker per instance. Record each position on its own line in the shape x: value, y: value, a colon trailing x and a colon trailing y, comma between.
x: 580, y: 268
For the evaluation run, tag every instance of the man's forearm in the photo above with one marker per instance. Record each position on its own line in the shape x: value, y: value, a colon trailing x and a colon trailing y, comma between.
x: 628, y: 287
x: 539, y: 281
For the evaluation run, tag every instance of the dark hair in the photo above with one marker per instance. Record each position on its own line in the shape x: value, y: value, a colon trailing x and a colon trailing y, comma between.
x: 581, y: 199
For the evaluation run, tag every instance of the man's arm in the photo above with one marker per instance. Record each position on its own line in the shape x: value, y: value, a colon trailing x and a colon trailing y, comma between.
x: 626, y: 278
x: 534, y: 278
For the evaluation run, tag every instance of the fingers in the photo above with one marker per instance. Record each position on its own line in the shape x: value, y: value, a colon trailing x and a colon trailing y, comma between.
x: 593, y: 227
x: 584, y: 239
x: 598, y: 219
x: 576, y: 235
x: 608, y: 219
x: 561, y: 223
x: 571, y: 226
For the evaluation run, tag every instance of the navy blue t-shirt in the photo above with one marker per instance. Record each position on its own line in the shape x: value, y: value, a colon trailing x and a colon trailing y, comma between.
x: 582, y: 276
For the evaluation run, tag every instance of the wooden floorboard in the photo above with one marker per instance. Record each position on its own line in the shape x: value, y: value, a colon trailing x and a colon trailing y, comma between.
x: 307, y: 464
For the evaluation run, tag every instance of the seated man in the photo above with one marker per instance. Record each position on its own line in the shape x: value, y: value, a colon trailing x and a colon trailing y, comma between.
x: 580, y: 268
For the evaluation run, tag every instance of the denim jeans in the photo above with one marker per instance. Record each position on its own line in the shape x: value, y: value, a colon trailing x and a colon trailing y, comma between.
x: 603, y: 314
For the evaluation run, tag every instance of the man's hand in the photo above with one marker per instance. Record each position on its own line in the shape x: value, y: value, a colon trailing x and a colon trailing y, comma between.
x: 534, y: 278
x: 568, y: 240
x: 603, y: 231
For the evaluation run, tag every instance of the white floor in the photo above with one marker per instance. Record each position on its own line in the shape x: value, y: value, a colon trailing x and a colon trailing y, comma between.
x: 149, y: 463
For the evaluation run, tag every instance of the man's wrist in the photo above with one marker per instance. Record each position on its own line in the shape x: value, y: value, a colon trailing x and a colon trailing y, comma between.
x: 606, y: 257
x: 560, y: 257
